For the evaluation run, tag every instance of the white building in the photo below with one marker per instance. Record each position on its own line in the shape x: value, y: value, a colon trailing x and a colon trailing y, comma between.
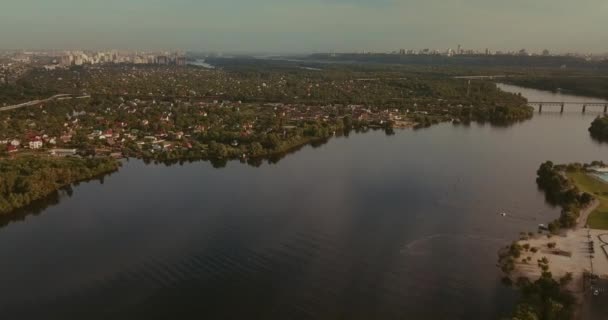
x: 36, y: 144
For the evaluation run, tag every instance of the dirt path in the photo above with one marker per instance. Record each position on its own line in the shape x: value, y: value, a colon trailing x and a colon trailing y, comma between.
x: 584, y: 214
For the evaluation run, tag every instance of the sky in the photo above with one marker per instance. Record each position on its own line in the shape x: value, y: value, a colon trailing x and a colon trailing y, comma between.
x: 292, y: 26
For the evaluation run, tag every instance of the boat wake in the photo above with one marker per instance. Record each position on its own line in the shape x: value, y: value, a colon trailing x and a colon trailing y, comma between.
x: 417, y: 247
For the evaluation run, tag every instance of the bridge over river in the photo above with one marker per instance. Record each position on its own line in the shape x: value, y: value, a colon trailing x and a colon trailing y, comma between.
x: 583, y: 105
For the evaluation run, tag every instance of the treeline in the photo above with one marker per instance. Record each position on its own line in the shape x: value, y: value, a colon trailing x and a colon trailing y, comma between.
x: 22, y: 91
x: 27, y: 179
x: 599, y: 128
x: 573, y: 84
x: 560, y: 191
x: 498, y: 115
x: 465, y: 60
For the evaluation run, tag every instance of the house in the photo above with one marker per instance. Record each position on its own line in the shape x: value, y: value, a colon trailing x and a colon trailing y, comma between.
x: 35, y: 144
x: 10, y: 148
x: 66, y: 138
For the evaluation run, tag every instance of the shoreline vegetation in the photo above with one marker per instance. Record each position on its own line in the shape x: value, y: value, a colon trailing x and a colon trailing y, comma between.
x: 28, y: 179
x: 558, y: 292
x: 561, y: 191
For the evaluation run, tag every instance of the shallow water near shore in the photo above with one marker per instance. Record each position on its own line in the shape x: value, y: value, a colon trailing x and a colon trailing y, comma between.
x: 364, y: 227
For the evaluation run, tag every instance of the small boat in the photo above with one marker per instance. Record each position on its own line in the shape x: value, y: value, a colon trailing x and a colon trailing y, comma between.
x: 504, y: 214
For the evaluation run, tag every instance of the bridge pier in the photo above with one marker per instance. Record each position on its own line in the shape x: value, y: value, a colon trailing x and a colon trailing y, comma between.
x: 605, y: 108
x: 540, y: 108
x: 584, y: 108
x: 562, y: 109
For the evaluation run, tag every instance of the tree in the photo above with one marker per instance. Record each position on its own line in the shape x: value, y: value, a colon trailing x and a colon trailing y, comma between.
x: 256, y: 149
x: 219, y: 150
x: 348, y: 122
x: 273, y: 141
x: 525, y: 312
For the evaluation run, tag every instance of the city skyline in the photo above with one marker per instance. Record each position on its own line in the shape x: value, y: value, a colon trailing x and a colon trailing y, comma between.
x: 305, y: 26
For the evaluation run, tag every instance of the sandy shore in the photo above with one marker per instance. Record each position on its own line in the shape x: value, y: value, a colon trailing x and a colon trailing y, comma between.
x: 569, y: 252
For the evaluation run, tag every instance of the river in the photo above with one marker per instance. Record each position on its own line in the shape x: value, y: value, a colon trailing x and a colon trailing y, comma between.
x: 368, y: 226
x: 201, y: 63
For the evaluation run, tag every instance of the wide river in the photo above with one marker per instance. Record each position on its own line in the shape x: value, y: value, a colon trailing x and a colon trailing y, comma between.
x: 364, y: 227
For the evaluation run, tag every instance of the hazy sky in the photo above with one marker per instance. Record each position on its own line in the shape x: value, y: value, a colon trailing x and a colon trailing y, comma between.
x: 305, y: 25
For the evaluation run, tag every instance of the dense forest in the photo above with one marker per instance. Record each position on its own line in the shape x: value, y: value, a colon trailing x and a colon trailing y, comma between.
x: 30, y: 178
x: 599, y: 128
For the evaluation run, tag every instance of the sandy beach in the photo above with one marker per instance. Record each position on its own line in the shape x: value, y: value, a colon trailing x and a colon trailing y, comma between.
x: 577, y: 251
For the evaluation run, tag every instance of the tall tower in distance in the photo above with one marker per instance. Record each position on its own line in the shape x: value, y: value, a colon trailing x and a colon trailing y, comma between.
x: 459, y: 51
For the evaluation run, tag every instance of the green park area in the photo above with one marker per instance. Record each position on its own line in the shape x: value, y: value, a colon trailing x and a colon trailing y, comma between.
x: 599, y: 189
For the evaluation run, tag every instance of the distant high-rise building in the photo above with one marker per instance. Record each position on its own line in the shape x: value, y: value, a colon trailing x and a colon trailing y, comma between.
x: 66, y: 60
x: 162, y: 60
x: 545, y: 52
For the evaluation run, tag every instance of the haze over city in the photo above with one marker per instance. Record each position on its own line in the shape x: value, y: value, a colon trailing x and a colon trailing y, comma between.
x: 305, y: 25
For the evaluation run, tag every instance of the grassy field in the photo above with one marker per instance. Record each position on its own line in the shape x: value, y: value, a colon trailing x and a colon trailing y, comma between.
x: 587, y: 183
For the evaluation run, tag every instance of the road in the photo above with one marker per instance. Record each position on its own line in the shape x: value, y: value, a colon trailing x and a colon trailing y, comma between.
x: 36, y: 102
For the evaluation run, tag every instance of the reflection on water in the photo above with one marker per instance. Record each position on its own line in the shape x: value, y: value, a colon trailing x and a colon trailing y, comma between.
x: 368, y: 226
x: 39, y: 206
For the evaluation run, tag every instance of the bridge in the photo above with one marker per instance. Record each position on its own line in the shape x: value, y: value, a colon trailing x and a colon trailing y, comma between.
x: 563, y: 104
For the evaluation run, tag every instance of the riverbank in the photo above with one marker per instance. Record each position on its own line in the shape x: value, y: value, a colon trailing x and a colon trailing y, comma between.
x: 581, y: 85
x: 27, y: 179
x: 571, y: 251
